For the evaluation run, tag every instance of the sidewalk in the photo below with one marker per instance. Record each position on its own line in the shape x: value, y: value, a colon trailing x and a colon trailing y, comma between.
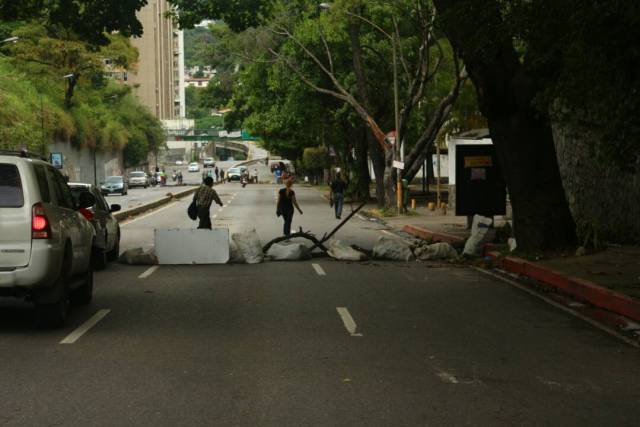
x: 607, y: 280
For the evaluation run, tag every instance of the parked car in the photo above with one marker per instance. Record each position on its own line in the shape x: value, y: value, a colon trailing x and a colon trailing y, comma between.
x: 45, y: 238
x: 106, y: 245
x: 138, y: 179
x: 194, y: 167
x: 209, y: 163
x: 179, y: 162
x: 114, y: 184
x: 233, y: 174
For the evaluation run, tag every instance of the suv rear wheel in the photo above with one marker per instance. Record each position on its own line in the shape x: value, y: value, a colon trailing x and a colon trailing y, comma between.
x: 52, y: 305
x: 84, y: 294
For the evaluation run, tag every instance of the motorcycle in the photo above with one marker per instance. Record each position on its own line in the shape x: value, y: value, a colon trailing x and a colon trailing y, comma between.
x: 243, y: 181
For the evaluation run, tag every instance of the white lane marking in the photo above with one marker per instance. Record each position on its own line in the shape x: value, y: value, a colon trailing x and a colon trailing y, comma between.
x: 319, y: 270
x: 148, y: 272
x: 131, y: 221
x: 348, y: 321
x: 447, y: 377
x: 82, y: 329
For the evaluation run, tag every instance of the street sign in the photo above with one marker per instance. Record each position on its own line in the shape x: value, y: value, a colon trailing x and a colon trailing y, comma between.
x: 56, y: 160
x: 398, y: 165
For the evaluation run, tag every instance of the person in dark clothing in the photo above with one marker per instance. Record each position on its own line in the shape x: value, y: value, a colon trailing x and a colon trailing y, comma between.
x: 204, y: 197
x: 217, y: 171
x: 286, y: 202
x: 338, y: 187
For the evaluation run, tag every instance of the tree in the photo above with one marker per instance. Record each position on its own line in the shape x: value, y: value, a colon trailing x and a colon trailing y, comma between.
x: 506, y: 88
x: 91, y: 20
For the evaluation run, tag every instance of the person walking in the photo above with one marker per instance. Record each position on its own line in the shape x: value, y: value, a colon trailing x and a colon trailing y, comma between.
x: 217, y: 174
x: 221, y: 175
x: 204, y: 197
x: 286, y: 202
x: 338, y: 186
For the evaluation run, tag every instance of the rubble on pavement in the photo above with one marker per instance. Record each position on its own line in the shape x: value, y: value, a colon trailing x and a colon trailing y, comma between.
x: 290, y: 251
x: 435, y: 251
x: 392, y: 248
x: 138, y: 256
x: 341, y: 251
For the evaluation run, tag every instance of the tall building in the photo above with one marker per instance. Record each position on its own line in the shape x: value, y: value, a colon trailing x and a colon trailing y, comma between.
x: 159, y: 80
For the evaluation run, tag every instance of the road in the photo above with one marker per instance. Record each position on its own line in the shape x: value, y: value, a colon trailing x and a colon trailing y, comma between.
x: 318, y: 343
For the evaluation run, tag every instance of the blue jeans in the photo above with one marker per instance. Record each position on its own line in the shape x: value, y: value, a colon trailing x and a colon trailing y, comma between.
x: 338, y: 200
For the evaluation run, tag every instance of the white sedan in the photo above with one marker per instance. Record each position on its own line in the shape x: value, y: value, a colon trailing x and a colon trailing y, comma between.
x: 194, y: 167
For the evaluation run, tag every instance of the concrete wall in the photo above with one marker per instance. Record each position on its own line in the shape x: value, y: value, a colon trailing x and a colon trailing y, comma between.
x: 598, y: 194
x: 78, y: 164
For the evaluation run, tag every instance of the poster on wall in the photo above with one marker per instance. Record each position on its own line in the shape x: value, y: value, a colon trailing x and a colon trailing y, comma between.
x: 56, y: 160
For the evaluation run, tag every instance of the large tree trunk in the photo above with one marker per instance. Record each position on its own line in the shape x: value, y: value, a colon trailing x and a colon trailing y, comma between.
x: 521, y: 134
x: 375, y: 151
x: 362, y: 164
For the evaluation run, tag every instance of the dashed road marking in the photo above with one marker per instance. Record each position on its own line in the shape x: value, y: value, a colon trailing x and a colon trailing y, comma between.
x: 447, y: 377
x: 348, y: 321
x: 148, y: 272
x: 319, y: 270
x: 82, y: 329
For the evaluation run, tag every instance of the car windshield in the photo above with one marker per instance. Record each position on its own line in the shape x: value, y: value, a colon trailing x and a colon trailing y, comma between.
x: 114, y: 179
x: 234, y: 170
x: 136, y: 174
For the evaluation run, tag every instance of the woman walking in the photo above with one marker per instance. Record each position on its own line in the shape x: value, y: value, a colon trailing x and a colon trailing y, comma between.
x: 286, y: 202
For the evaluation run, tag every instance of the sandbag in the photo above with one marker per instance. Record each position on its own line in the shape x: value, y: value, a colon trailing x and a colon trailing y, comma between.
x: 341, y: 251
x: 479, y: 232
x: 288, y: 252
x: 249, y: 246
x: 436, y: 251
x: 138, y: 256
x: 235, y: 257
x: 392, y: 248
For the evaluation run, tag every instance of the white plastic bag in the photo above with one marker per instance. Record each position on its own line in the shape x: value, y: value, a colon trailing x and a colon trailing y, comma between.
x: 479, y: 231
x: 392, y: 248
x: 288, y: 252
x: 341, y: 251
x: 249, y: 246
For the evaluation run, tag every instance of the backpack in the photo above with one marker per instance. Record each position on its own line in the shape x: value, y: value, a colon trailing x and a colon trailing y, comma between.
x: 192, y: 210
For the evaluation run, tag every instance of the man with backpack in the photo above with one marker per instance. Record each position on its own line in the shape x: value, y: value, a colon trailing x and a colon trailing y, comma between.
x: 204, y: 197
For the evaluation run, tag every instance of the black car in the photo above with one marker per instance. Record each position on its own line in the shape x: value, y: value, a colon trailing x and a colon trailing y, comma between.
x: 106, y: 246
x: 115, y: 184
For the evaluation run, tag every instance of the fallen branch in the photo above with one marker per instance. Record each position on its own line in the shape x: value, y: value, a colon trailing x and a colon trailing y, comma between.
x: 305, y: 235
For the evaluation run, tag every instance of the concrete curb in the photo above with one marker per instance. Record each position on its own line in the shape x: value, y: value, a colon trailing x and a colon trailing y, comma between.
x: 436, y: 236
x: 124, y: 215
x: 580, y: 289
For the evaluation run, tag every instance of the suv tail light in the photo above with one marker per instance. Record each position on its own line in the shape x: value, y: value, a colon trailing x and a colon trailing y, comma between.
x: 40, y: 227
x: 87, y: 213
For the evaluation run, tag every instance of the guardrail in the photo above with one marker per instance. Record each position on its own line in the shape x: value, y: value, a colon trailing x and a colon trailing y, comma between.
x: 126, y: 214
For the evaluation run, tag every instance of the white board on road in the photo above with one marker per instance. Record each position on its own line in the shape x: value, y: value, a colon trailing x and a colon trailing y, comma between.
x: 191, y: 246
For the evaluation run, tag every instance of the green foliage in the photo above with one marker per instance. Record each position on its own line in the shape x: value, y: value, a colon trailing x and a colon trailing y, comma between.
x: 315, y: 159
x: 210, y: 122
x: 91, y: 20
x: 196, y: 42
x: 104, y: 116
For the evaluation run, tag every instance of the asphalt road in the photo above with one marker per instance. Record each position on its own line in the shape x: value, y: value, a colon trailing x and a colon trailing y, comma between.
x: 319, y: 343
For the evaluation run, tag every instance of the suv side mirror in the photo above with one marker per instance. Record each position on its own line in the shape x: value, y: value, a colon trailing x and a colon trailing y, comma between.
x: 86, y: 200
x: 115, y: 207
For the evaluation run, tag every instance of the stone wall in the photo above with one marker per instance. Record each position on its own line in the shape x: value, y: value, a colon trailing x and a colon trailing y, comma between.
x: 600, y: 196
x: 78, y: 164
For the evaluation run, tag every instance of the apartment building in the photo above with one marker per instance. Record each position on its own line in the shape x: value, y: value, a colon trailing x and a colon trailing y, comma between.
x: 159, y: 79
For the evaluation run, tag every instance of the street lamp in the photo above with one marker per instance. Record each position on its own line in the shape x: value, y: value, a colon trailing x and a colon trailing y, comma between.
x: 398, y: 138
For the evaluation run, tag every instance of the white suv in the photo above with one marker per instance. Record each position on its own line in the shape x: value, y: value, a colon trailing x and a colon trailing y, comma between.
x: 45, y: 239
